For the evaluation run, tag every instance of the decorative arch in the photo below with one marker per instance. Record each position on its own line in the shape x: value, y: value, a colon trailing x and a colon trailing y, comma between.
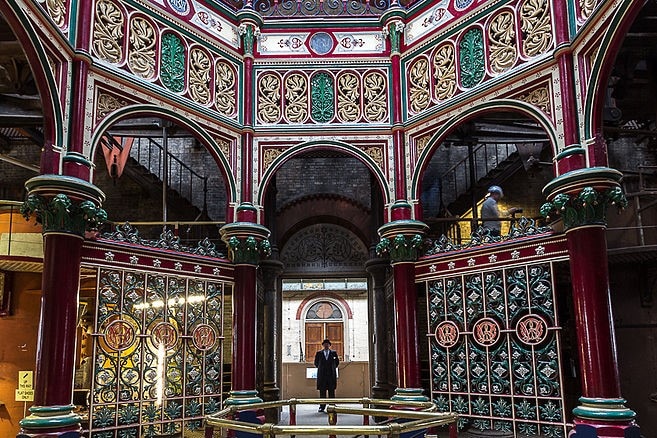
x: 194, y: 128
x: 478, y: 110
x: 53, y: 118
x: 318, y: 296
x: 623, y: 16
x: 317, y: 145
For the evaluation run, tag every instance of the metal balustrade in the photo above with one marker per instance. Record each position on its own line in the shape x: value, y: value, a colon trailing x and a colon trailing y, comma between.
x: 403, y: 417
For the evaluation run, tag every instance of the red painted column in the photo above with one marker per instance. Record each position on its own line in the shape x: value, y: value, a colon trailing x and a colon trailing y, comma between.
x: 581, y: 196
x: 408, y: 365
x: 244, y: 328
x: 66, y: 207
x: 590, y: 280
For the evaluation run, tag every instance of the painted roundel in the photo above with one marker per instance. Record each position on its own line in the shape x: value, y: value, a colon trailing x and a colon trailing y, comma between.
x: 164, y: 333
x: 321, y: 43
x: 531, y: 329
x: 447, y: 334
x: 486, y: 332
x: 204, y: 337
x: 119, y: 335
x: 180, y: 6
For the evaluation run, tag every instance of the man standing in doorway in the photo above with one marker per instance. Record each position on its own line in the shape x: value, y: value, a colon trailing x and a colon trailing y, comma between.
x: 326, y: 361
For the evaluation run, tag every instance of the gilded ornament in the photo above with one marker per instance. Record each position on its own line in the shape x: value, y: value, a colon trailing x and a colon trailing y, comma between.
x: 539, y: 97
x: 141, y: 50
x: 269, y: 98
x: 199, y: 76
x: 348, y: 97
x: 224, y: 147
x: 296, y: 98
x: 107, y: 104
x: 269, y: 156
x: 536, y: 26
x: 444, y: 72
x: 586, y: 8
x: 376, y: 154
x: 376, y: 98
x: 501, y: 41
x: 57, y: 11
x: 421, y: 144
x: 471, y: 58
x: 419, y: 85
x: 108, y: 32
x: 224, y: 84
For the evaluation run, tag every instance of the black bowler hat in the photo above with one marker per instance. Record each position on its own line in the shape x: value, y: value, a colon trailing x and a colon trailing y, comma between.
x: 326, y: 341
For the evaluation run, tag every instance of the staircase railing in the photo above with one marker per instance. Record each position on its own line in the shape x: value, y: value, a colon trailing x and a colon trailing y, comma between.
x: 180, y: 176
x: 483, y: 159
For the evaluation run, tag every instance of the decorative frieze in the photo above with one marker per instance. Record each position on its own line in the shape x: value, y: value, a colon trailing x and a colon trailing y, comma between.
x: 108, y: 32
x: 141, y: 47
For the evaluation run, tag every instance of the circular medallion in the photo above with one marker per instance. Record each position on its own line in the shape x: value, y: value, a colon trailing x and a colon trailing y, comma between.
x: 486, y: 332
x: 531, y: 329
x: 447, y: 334
x: 321, y: 43
x: 462, y: 4
x: 119, y: 335
x: 204, y: 337
x: 165, y: 334
x: 180, y: 6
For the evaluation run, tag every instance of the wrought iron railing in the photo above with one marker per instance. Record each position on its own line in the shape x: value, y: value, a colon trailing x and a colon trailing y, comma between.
x: 179, y: 175
x: 482, y: 160
x: 326, y: 8
x: 403, y: 417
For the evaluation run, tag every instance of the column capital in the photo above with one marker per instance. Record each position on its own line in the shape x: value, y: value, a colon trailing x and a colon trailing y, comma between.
x: 247, y: 242
x: 64, y: 204
x: 581, y: 197
x: 402, y: 240
x: 249, y: 29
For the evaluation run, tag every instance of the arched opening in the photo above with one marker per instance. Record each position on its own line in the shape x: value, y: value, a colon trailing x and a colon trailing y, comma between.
x: 323, y: 208
x: 505, y: 149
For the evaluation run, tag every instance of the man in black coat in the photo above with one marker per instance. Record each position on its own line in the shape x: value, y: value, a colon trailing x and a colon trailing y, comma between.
x: 326, y: 361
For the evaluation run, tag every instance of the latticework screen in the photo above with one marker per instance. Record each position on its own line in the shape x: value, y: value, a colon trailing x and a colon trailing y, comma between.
x: 494, y: 343
x: 157, y: 354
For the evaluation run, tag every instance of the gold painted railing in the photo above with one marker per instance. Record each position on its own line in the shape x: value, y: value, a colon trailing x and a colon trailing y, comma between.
x: 415, y: 416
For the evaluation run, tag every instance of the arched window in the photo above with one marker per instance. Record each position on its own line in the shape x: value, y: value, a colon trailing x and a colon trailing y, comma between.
x: 324, y: 320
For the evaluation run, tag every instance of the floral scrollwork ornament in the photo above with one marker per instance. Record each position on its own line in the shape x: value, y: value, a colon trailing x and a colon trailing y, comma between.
x: 588, y: 207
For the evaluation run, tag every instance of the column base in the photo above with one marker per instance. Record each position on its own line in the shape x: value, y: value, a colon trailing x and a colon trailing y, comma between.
x: 242, y: 397
x: 50, y: 422
x: 271, y: 392
x: 409, y: 394
x: 604, y: 418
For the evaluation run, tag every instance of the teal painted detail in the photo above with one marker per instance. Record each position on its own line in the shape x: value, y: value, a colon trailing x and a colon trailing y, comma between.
x: 247, y: 32
x: 401, y: 248
x: 47, y: 417
x: 570, y: 150
x: 409, y: 394
x: 60, y: 214
x: 322, y: 97
x: 471, y: 58
x: 75, y: 157
x: 395, y: 33
x: 172, y: 63
x: 242, y: 397
x: 247, y: 242
x: 603, y: 409
x: 588, y: 207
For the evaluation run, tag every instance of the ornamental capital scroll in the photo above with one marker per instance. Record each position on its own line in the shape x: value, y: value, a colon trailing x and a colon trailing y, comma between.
x: 402, y: 239
x: 247, y: 242
x: 248, y: 31
x: 581, y: 197
x: 64, y: 204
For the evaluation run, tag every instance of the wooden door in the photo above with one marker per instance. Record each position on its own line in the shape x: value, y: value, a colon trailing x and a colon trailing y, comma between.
x: 316, y: 332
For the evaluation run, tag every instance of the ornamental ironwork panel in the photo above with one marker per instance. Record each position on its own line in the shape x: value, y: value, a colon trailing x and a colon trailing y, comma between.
x: 494, y: 342
x: 157, y: 354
